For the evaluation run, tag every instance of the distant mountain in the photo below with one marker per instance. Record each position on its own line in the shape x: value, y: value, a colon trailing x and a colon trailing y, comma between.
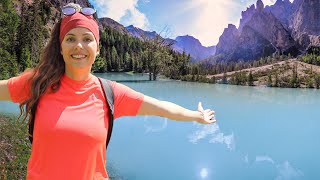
x: 103, y: 22
x: 193, y: 46
x: 137, y: 32
x: 283, y: 28
x: 187, y: 43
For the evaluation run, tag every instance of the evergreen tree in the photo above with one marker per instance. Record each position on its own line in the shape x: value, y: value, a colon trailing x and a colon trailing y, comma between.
x: 317, y: 80
x: 114, y: 59
x: 269, y: 83
x: 98, y: 65
x: 250, y: 79
x: 276, y: 81
x: 224, y: 78
x: 9, y: 22
x: 26, y: 59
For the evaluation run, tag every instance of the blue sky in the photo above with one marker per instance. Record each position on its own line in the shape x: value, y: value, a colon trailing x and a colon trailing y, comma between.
x: 203, y: 19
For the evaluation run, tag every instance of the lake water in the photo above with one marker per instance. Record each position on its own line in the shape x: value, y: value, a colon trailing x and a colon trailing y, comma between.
x: 261, y: 133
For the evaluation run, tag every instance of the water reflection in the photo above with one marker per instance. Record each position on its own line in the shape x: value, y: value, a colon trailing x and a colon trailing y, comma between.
x: 203, y: 173
x: 154, y: 124
x: 213, y: 133
x: 284, y: 170
x: 264, y: 158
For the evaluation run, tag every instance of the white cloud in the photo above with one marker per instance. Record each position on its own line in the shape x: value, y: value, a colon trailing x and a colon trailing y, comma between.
x: 264, y: 158
x: 203, y: 133
x: 265, y: 2
x: 154, y: 124
x: 124, y: 11
x: 215, y: 136
x: 220, y: 138
x: 246, y: 158
x: 286, y: 171
x: 208, y: 21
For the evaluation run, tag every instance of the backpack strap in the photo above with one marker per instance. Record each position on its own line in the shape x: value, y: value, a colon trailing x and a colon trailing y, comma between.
x: 108, y: 92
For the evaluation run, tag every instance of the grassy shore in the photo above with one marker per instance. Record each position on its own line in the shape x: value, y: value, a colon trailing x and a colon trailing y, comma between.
x: 15, y: 148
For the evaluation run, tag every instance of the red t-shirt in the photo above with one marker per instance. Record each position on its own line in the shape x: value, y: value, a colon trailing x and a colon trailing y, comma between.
x: 71, y: 126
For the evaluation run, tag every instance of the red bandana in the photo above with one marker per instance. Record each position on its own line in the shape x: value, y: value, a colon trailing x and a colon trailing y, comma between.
x: 79, y: 20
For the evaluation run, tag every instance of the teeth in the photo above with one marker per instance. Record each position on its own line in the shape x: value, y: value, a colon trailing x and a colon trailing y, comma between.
x: 78, y: 56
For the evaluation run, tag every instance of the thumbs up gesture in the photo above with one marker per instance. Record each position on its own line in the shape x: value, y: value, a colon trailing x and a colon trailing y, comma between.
x: 208, y: 116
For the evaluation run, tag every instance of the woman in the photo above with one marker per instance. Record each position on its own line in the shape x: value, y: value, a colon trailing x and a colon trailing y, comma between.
x: 71, y: 123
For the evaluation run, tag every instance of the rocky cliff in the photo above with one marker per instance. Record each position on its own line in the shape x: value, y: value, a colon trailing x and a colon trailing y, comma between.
x: 104, y: 22
x: 305, y: 23
x: 137, y: 32
x: 283, y: 28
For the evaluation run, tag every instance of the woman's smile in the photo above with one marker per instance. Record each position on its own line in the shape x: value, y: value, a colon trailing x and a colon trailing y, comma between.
x: 78, y: 56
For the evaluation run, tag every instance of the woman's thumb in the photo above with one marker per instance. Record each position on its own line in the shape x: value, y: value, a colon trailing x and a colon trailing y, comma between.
x: 200, y: 108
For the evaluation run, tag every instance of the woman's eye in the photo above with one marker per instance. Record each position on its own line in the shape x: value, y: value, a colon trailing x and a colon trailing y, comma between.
x: 88, y: 40
x: 70, y: 39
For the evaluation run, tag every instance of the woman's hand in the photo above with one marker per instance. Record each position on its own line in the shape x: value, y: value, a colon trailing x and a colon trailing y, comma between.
x: 207, y: 115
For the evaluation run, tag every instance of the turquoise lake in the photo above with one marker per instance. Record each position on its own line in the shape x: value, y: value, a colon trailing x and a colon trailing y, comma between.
x: 261, y: 133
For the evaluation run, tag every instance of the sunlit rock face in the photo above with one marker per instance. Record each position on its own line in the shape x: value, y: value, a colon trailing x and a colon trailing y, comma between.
x: 283, y: 28
x: 305, y: 23
x: 104, y: 22
x: 282, y: 10
x: 228, y: 41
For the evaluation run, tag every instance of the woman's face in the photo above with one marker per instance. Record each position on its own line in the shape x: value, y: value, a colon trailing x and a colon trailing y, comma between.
x: 79, y: 49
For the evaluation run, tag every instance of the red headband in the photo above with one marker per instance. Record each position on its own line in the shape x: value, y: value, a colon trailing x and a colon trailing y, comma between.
x: 79, y: 20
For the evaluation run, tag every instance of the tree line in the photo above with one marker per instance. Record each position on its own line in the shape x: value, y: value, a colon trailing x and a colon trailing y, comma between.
x: 23, y: 36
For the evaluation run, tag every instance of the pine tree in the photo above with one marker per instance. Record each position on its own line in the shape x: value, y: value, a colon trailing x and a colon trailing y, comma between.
x: 276, y: 82
x: 26, y: 61
x: 9, y: 22
x: 269, y: 83
x: 224, y: 78
x: 250, y: 79
x: 317, y: 80
x: 98, y: 65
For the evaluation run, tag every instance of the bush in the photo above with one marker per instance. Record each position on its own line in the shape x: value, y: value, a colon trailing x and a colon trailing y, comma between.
x: 15, y: 148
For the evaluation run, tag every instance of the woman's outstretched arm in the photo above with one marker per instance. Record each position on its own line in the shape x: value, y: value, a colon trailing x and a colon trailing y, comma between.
x: 152, y: 106
x: 4, y: 91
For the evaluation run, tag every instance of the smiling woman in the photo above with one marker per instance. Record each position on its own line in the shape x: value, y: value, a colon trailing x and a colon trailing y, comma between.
x: 68, y: 105
x: 79, y: 50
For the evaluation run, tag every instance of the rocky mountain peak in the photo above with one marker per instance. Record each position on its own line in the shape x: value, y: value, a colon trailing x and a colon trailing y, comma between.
x: 103, y: 22
x: 228, y: 40
x: 246, y: 16
x: 260, y: 6
x: 282, y: 10
x: 137, y: 32
x: 189, y: 39
x: 191, y: 45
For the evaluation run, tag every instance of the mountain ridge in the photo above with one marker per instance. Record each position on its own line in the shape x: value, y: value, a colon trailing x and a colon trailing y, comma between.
x: 287, y: 28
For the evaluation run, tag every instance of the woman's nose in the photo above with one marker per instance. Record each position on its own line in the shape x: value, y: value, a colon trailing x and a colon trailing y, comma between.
x: 79, y: 45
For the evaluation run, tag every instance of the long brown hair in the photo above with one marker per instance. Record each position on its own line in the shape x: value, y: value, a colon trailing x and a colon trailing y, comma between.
x: 46, y: 74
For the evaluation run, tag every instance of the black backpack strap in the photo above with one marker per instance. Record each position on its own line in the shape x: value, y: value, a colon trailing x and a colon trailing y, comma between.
x: 31, y: 124
x: 108, y: 92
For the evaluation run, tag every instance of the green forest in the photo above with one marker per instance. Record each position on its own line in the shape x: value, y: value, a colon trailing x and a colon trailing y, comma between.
x: 23, y: 37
